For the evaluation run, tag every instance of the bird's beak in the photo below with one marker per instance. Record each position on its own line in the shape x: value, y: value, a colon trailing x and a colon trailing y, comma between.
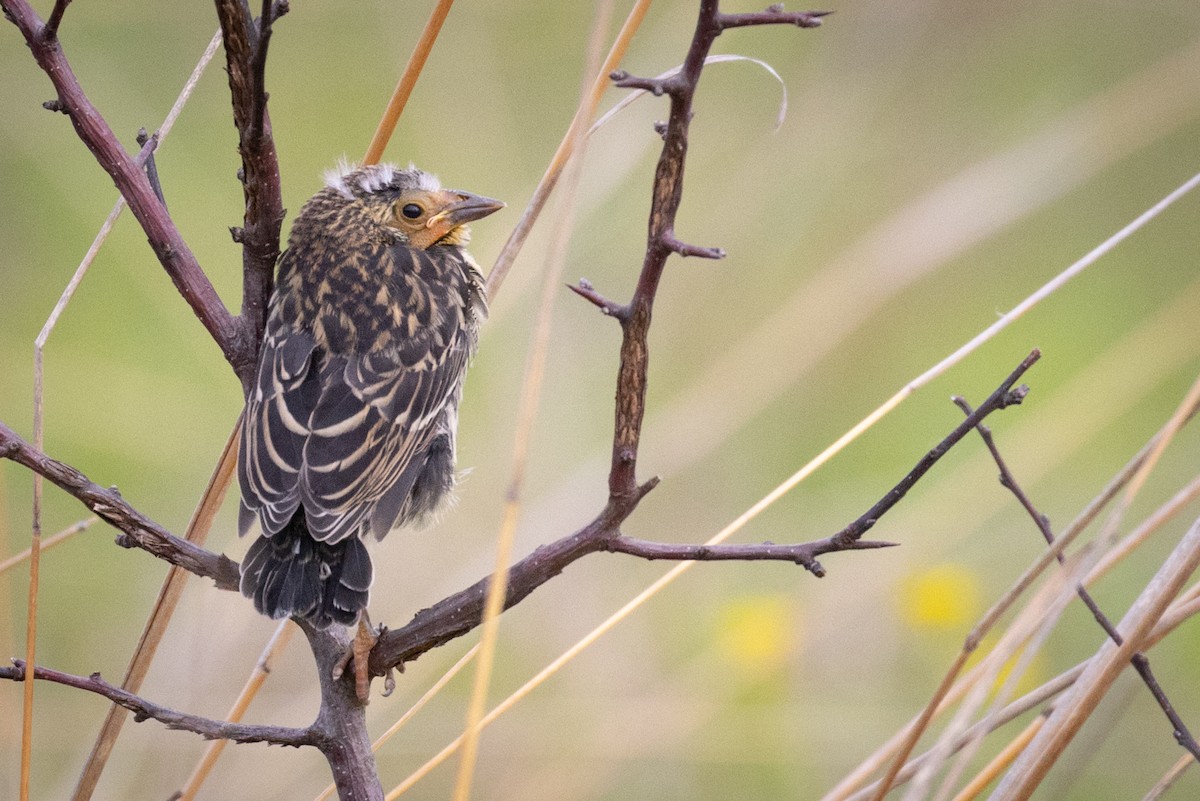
x: 466, y: 209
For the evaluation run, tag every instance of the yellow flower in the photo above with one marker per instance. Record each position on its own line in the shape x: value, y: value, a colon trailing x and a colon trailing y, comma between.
x: 756, y: 633
x: 941, y: 597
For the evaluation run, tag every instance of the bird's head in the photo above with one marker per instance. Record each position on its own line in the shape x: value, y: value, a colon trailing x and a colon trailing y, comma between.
x: 407, y: 203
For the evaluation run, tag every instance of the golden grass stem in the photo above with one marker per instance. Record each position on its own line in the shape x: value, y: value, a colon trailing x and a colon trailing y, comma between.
x: 531, y: 393
x: 408, y: 79
x: 1002, y: 760
x: 1169, y: 778
x: 49, y: 542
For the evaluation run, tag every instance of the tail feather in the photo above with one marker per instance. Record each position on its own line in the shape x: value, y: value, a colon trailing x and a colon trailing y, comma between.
x: 290, y: 574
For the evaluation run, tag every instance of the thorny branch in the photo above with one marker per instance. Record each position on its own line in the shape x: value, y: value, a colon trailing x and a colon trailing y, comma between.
x: 459, y: 613
x: 1140, y: 662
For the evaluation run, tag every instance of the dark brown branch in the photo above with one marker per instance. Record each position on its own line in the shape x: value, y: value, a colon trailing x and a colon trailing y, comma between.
x: 775, y: 15
x: 1140, y: 662
x: 168, y: 245
x: 804, y: 554
x: 1005, y: 395
x: 138, y: 530
x: 460, y: 613
x: 246, y: 44
x: 50, y: 32
x: 684, y: 249
x: 145, y: 710
x: 585, y: 290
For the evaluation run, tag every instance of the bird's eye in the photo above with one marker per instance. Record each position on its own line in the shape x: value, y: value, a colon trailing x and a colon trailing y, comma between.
x: 412, y: 211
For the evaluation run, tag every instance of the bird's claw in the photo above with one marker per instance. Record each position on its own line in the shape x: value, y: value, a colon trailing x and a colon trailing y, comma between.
x: 359, y: 653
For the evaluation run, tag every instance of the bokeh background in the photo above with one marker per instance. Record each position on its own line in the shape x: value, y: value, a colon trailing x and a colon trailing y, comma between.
x: 938, y: 162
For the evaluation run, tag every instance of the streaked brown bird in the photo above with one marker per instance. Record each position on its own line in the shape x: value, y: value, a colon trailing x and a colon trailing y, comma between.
x: 350, y: 427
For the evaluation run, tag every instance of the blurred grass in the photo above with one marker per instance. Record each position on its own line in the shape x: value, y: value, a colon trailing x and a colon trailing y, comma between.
x: 877, y: 230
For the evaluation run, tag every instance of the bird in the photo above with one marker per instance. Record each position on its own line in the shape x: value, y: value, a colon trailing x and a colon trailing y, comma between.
x: 350, y: 424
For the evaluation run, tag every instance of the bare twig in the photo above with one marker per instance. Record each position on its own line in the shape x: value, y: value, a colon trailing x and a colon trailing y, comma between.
x: 1139, y: 660
x: 138, y: 530
x: 146, y: 710
x: 459, y: 613
x: 246, y: 44
x: 50, y: 32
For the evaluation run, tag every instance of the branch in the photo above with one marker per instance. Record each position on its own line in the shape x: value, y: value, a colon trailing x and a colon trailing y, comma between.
x: 774, y: 15
x: 145, y: 710
x: 246, y: 44
x: 126, y: 172
x: 661, y: 241
x: 804, y: 554
x: 1140, y: 662
x: 460, y: 613
x: 139, y: 530
x: 56, y: 15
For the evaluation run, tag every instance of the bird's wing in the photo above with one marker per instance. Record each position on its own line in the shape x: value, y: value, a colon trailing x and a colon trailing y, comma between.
x: 345, y: 435
x: 369, y: 432
x: 276, y: 426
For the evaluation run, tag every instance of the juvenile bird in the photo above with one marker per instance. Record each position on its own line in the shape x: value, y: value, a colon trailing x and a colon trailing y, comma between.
x: 349, y: 429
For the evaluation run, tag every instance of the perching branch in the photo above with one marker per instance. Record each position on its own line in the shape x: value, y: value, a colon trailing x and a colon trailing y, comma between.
x: 145, y: 710
x: 1140, y: 662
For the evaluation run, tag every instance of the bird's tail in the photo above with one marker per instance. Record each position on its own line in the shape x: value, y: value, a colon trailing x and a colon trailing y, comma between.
x: 290, y: 574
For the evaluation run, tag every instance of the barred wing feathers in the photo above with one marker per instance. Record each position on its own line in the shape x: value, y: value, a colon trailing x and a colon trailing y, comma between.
x: 347, y: 436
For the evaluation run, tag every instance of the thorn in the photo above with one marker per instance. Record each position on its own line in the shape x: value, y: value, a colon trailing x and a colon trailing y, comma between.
x: 685, y: 250
x: 644, y: 489
x: 865, y: 545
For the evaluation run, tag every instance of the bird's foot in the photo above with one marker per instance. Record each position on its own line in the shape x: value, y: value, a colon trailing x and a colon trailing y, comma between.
x: 359, y: 653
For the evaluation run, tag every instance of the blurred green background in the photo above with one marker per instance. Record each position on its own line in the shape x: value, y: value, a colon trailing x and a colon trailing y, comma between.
x: 939, y: 161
